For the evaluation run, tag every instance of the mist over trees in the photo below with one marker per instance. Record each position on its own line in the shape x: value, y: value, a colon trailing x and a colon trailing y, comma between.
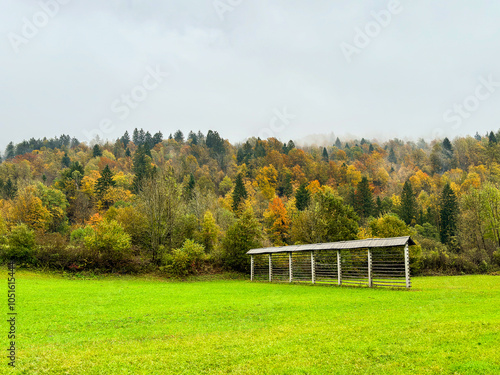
x: 194, y: 202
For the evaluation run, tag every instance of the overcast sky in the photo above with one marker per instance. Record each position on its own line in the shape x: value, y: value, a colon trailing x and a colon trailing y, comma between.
x: 283, y: 68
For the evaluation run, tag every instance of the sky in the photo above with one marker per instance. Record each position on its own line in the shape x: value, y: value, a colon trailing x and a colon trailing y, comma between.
x: 282, y: 68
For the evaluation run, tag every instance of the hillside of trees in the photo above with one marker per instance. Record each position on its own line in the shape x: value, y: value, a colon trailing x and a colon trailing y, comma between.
x: 196, y: 203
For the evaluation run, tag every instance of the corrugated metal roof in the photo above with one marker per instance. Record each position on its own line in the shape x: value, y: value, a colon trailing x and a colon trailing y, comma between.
x: 342, y: 245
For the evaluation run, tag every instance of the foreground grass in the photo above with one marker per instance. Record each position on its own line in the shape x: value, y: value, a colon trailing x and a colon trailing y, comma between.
x: 131, y: 325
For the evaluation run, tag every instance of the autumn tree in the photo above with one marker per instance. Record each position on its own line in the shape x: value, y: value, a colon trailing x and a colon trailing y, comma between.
x: 277, y: 222
x: 28, y: 208
x: 209, y: 233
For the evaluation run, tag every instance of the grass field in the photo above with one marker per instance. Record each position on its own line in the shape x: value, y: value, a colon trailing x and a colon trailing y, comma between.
x: 129, y: 325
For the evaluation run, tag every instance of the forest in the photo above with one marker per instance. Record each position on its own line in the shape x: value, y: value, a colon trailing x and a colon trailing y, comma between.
x: 195, y: 204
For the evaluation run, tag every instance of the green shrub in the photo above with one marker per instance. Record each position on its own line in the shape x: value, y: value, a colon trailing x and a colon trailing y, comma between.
x: 78, y: 235
x: 187, y: 260
x: 496, y: 257
x: 111, y: 242
x: 20, y: 246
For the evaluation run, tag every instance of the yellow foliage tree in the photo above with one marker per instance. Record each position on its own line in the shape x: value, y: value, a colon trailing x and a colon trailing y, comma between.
x: 27, y: 208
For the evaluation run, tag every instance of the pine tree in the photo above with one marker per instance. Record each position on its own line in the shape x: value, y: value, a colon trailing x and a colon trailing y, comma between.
x: 96, y: 151
x: 325, y: 154
x: 338, y: 144
x: 477, y: 137
x: 125, y: 139
x: 379, y: 208
x: 239, y: 193
x: 179, y: 136
x: 408, y: 210
x: 104, y: 182
x: 10, y: 151
x: 371, y: 148
x: 148, y: 140
x: 135, y: 137
x: 188, y: 192
x: 448, y: 214
x: 10, y: 189
x: 142, y: 167
x: 65, y: 161
x: 447, y: 145
x: 492, y: 139
x: 286, y: 188
x: 302, y: 197
x: 392, y: 156
x: 157, y: 138
x: 364, y: 199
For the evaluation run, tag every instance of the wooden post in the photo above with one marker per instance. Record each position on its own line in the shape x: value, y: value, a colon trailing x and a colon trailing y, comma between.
x: 370, y: 283
x: 339, y: 267
x: 270, y: 267
x: 313, y: 268
x: 251, y: 267
x: 407, y: 267
x: 290, y: 266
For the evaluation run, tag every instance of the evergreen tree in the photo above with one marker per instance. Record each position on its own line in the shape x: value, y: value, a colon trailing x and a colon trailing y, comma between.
x: 477, y: 137
x: 408, y: 210
x: 239, y: 193
x: 193, y: 138
x: 447, y: 145
x: 10, y: 189
x: 325, y: 154
x: 364, y: 199
x: 448, y: 214
x: 371, y: 148
x: 302, y: 197
x: 127, y: 152
x: 338, y: 144
x: 148, y: 140
x: 125, y: 139
x: 286, y: 188
x: 157, y: 138
x: 492, y: 139
x: 179, y: 136
x: 65, y: 161
x: 103, y: 183
x: 10, y: 151
x: 392, y: 156
x: 142, y: 167
x: 188, y: 192
x: 135, y: 137
x: 96, y: 151
x: 215, y: 143
x: 378, y: 207
x: 259, y: 150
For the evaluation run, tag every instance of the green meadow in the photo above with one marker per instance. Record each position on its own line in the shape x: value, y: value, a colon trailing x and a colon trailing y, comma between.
x: 141, y: 325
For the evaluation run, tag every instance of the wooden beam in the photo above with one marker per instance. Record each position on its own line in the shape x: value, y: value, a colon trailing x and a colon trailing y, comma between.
x: 270, y: 267
x: 370, y: 282
x: 313, y: 268
x: 252, y: 267
x: 407, y: 267
x: 339, y: 268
